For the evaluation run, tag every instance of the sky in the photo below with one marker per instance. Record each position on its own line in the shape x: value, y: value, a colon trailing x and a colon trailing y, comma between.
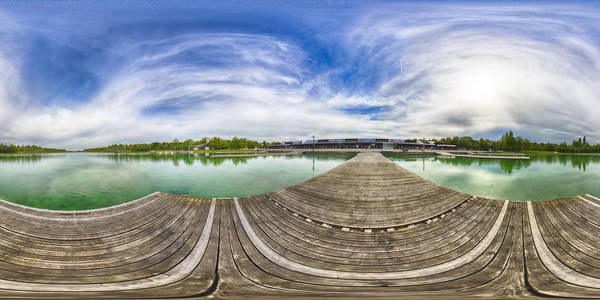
x: 80, y: 74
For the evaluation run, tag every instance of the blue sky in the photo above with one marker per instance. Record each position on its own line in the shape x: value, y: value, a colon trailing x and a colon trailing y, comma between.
x: 89, y: 73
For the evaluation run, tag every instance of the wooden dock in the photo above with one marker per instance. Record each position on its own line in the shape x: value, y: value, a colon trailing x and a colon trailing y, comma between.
x: 365, y: 228
x: 480, y: 155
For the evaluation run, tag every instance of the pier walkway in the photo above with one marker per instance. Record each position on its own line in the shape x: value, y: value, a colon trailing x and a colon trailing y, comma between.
x: 479, y: 155
x: 367, y: 227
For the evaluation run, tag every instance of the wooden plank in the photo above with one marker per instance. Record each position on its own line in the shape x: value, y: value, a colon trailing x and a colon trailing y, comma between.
x: 358, y: 197
x: 388, y: 253
x: 288, y: 264
x: 551, y: 262
x: 177, y: 273
x: 343, y: 233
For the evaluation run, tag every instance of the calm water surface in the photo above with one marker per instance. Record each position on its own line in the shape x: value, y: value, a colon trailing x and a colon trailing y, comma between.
x: 544, y: 177
x: 77, y: 181
x: 87, y: 181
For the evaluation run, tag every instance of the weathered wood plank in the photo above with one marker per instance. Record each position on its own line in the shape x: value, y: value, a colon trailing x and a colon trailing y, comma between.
x: 365, y: 228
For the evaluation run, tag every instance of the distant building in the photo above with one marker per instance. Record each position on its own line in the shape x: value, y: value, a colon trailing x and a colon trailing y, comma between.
x: 202, y: 147
x: 375, y: 143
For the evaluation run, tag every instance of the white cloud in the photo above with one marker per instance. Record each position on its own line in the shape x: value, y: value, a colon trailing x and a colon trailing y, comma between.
x: 263, y: 97
x: 10, y: 83
x: 476, y: 73
x: 448, y: 71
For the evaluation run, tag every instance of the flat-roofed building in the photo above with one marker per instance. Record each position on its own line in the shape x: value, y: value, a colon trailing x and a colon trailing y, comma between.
x: 363, y: 143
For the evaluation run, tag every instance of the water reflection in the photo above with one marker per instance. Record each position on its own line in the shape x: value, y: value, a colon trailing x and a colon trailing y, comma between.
x: 177, y: 160
x: 205, y: 160
x: 542, y: 177
x: 27, y: 158
x: 580, y: 162
x: 507, y: 165
x: 94, y: 180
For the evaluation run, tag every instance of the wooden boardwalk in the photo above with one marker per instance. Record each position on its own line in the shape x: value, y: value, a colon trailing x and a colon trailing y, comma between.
x: 480, y: 155
x: 161, y: 245
x: 367, y: 227
x: 368, y: 191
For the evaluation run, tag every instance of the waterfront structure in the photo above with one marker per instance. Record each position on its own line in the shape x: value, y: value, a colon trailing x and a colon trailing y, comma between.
x: 359, y: 143
x: 202, y: 147
x: 366, y: 228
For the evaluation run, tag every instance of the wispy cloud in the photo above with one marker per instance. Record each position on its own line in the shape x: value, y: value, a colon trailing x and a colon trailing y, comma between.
x: 192, y: 86
x: 474, y: 70
x: 398, y: 70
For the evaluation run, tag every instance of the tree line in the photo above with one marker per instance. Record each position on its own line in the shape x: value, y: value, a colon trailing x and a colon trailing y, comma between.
x: 214, y: 143
x: 508, y: 142
x: 28, y: 149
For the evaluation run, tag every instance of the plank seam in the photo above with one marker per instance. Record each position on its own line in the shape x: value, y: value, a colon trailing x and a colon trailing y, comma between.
x: 286, y: 263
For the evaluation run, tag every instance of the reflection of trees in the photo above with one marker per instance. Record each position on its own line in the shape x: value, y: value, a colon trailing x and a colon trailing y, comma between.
x: 176, y: 160
x: 28, y: 159
x: 507, y: 165
x: 580, y: 162
x: 576, y: 161
x: 323, y: 157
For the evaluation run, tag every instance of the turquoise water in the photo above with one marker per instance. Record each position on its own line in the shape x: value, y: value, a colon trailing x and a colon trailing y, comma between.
x: 544, y: 177
x: 78, y: 181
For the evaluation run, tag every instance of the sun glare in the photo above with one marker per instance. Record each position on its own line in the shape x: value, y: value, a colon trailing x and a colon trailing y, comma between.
x: 484, y: 83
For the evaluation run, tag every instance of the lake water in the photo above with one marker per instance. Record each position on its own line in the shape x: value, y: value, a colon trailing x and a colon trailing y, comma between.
x: 544, y: 177
x: 85, y: 181
x: 78, y: 181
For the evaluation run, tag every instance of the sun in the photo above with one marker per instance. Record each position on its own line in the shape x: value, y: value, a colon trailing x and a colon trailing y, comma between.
x: 485, y: 82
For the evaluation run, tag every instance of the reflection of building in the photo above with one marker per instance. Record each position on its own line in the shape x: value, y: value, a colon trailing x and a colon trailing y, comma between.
x: 384, y: 144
